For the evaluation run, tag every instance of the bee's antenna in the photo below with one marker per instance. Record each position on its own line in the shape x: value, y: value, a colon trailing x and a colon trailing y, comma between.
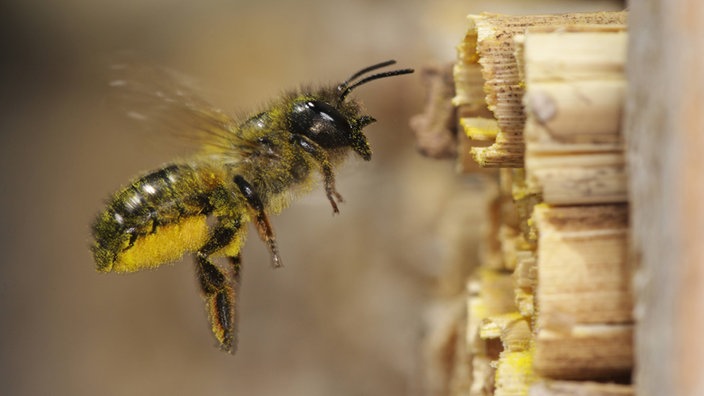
x: 345, y: 88
x: 344, y: 84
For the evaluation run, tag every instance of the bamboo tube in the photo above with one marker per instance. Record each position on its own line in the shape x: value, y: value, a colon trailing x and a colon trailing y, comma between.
x: 525, y: 197
x: 435, y: 128
x: 496, y: 291
x: 575, y: 87
x: 489, y: 43
x: 525, y: 279
x: 514, y: 372
x: 583, y: 275
x: 511, y: 328
x: 575, y: 115
x: 477, y: 129
x: 577, y: 179
x: 492, y: 326
x: 483, y: 375
x: 483, y: 351
x: 584, y: 352
x: 584, y: 323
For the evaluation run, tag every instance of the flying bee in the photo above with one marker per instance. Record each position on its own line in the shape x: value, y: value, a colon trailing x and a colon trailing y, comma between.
x: 246, y: 171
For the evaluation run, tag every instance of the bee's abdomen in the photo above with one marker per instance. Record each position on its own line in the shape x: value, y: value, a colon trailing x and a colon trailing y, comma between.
x: 160, y: 198
x: 163, y: 212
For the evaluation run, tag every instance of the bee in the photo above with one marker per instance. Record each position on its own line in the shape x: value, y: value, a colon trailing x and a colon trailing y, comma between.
x: 247, y: 171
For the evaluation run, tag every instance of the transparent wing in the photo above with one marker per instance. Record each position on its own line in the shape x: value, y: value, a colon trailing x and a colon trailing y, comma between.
x: 160, y: 100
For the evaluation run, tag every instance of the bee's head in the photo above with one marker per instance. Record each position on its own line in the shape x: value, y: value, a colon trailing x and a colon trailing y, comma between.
x: 332, y: 121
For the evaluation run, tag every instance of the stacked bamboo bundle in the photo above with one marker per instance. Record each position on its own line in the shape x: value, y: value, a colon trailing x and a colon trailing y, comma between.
x: 488, y: 50
x: 550, y: 308
x: 574, y: 95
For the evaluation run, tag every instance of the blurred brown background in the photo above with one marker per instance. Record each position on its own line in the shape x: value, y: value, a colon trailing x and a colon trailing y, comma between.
x: 345, y: 316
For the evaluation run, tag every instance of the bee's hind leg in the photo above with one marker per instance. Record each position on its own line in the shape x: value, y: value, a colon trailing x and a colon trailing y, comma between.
x: 220, y: 288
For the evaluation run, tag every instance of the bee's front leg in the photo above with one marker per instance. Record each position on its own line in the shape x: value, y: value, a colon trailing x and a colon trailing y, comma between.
x: 220, y: 288
x: 321, y: 157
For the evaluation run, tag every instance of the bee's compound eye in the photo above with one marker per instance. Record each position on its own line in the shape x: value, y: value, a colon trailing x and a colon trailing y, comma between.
x: 320, y: 122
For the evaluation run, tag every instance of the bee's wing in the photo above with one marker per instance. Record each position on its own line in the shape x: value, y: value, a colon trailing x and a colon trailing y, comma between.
x: 162, y: 100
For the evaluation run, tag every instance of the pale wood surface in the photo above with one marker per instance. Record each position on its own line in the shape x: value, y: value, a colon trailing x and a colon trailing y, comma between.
x: 665, y: 138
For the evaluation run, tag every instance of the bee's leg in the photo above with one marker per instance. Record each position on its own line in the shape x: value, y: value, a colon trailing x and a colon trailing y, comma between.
x: 219, y: 287
x: 266, y: 232
x: 321, y: 157
x: 236, y: 271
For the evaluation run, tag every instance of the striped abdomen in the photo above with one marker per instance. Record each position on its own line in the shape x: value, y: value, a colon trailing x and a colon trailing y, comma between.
x: 156, y: 219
